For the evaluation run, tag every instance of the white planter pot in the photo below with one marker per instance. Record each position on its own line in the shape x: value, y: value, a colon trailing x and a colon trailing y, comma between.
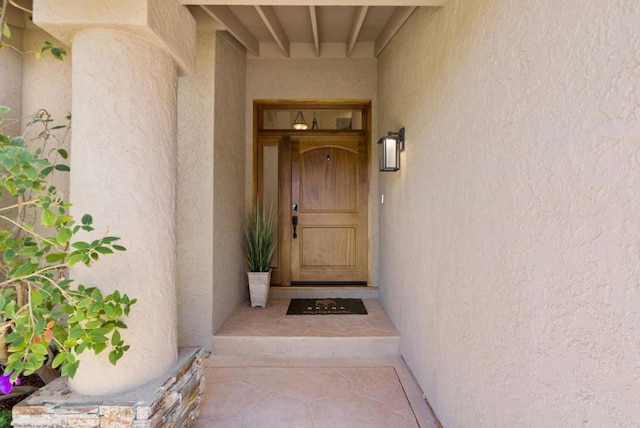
x: 259, y: 288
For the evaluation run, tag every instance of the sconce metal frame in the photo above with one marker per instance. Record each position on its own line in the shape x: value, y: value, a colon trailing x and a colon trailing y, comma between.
x: 390, y: 147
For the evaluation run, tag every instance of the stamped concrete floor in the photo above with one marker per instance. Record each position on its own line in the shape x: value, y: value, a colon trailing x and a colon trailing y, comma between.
x: 272, y: 321
x: 269, y: 390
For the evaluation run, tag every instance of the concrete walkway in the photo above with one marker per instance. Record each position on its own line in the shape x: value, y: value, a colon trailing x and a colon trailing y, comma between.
x: 340, y: 375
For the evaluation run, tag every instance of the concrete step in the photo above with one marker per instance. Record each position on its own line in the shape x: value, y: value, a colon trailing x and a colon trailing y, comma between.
x: 320, y: 292
x: 269, y: 333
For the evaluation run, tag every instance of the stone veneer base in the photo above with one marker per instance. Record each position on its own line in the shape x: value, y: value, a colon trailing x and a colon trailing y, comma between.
x: 172, y: 401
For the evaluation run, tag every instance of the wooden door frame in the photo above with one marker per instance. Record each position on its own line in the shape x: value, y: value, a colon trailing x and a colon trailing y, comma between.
x: 259, y: 106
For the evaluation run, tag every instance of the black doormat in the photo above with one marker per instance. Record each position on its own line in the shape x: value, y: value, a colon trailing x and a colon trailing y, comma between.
x: 326, y: 307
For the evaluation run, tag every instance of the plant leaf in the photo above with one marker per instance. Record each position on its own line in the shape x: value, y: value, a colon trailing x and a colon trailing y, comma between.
x: 59, y: 359
x: 48, y: 218
x: 55, y: 257
x: 64, y: 235
x: 80, y: 245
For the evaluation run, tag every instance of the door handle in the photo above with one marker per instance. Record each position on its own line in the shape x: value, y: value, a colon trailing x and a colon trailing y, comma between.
x: 294, y: 222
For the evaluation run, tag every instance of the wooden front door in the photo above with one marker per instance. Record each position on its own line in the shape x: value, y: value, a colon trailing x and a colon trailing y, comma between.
x: 329, y: 205
x: 320, y: 178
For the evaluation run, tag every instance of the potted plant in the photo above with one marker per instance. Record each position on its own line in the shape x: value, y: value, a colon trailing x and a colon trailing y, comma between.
x: 260, y: 245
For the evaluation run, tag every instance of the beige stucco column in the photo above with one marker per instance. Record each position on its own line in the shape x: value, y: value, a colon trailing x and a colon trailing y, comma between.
x: 126, y: 56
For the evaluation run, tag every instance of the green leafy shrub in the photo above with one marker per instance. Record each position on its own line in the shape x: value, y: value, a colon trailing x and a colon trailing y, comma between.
x: 45, y: 317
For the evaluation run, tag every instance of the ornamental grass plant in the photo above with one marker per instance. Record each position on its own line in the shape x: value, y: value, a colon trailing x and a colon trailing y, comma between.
x: 259, y: 234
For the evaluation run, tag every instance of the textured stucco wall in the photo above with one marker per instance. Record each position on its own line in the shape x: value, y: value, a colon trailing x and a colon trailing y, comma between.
x: 11, y: 83
x: 312, y: 78
x: 46, y: 84
x: 47, y: 81
x: 11, y: 94
x: 195, y: 197
x: 123, y: 167
x: 229, y: 266
x: 163, y: 23
x: 124, y: 163
x: 510, y: 243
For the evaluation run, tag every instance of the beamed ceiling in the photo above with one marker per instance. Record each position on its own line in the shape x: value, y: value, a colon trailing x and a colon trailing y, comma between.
x: 315, y: 22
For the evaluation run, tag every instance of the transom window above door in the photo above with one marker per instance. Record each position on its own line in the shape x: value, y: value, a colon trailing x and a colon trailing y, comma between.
x: 314, y: 120
x: 324, y: 116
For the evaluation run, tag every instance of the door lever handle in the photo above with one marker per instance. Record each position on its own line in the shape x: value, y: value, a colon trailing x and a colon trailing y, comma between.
x: 294, y: 222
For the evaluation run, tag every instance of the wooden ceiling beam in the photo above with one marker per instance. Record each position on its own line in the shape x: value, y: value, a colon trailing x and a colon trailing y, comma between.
x: 230, y: 21
x: 274, y: 26
x: 356, y: 26
x: 399, y: 17
x: 314, y: 29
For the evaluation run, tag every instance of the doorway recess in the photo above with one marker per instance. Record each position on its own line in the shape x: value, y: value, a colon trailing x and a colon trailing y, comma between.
x: 316, y: 178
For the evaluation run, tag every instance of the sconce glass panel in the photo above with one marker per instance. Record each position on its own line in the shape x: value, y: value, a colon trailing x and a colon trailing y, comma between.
x: 389, y: 154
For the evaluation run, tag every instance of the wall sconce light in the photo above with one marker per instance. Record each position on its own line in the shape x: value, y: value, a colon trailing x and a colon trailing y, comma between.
x: 299, y: 123
x: 390, y: 147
